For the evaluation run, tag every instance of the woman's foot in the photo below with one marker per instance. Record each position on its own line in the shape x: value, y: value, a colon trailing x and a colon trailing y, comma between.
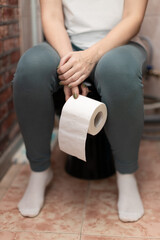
x: 130, y: 206
x: 33, y: 198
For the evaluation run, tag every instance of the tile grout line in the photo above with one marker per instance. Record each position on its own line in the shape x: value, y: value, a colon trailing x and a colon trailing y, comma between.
x: 43, y: 232
x: 85, y: 204
x: 124, y: 237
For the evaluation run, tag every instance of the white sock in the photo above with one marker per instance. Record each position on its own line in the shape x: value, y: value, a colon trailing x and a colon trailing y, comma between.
x: 33, y: 198
x: 130, y: 206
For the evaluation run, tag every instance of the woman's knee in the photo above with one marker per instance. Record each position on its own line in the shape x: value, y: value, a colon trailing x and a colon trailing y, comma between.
x: 36, y: 66
x: 119, y: 71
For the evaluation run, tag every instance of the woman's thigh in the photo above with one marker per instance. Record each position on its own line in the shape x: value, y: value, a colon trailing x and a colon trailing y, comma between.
x: 120, y: 70
x: 37, y: 69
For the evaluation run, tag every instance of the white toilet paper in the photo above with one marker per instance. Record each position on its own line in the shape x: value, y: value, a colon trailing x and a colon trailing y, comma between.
x: 79, y: 117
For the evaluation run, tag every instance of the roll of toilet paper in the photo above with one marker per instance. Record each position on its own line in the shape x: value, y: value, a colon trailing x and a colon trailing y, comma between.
x: 79, y: 117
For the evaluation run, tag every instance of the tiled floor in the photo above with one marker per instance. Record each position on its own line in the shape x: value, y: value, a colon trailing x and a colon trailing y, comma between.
x: 79, y: 209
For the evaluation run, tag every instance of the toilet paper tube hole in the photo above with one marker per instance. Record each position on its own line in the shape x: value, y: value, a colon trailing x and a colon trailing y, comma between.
x: 98, y: 119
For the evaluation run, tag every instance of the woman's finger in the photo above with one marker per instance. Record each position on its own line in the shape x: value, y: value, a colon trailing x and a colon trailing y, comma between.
x: 66, y: 67
x: 67, y: 92
x: 64, y: 59
x: 84, y: 89
x: 77, y: 82
x: 75, y: 92
x: 67, y: 74
x: 73, y: 78
x: 68, y: 63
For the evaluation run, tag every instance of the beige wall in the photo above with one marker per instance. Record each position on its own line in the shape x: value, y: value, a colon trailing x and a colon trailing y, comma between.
x: 26, y: 24
x: 151, y: 29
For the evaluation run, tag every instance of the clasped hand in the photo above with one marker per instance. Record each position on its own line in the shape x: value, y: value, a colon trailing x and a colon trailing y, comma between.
x: 73, y: 69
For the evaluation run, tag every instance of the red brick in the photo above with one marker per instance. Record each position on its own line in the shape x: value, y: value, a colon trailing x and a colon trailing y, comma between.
x: 9, y: 30
x: 13, y: 2
x: 1, y: 14
x: 4, y: 31
x: 10, y: 44
x: 1, y: 47
x: 3, y: 110
x: 8, y: 122
x: 5, y: 95
x: 10, y: 105
x: 8, y: 13
x: 3, y: 2
x: 1, y: 31
x: 1, y: 81
x: 8, y: 76
x: 13, y: 29
x: 15, y: 57
x: 5, y: 61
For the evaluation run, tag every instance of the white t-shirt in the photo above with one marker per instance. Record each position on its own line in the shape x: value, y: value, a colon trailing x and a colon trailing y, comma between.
x: 88, y: 21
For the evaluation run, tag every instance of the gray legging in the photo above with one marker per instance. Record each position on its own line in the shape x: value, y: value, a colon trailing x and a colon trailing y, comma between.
x: 118, y: 80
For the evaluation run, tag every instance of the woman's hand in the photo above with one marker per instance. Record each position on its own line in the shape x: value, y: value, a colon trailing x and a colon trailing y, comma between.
x: 75, y: 67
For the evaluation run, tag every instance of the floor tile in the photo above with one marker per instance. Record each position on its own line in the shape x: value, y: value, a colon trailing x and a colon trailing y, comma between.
x: 63, y: 209
x: 21, y: 180
x: 46, y: 236
x: 87, y: 237
x: 7, y: 235
x: 68, y: 198
x: 149, y: 160
x: 64, y: 186
x: 2, y: 192
x: 101, y: 218
x: 107, y: 184
x: 64, y: 216
x: 37, y: 236
x: 10, y: 175
x: 101, y: 210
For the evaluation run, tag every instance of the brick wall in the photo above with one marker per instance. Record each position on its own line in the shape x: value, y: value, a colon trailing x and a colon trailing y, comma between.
x: 9, y: 56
